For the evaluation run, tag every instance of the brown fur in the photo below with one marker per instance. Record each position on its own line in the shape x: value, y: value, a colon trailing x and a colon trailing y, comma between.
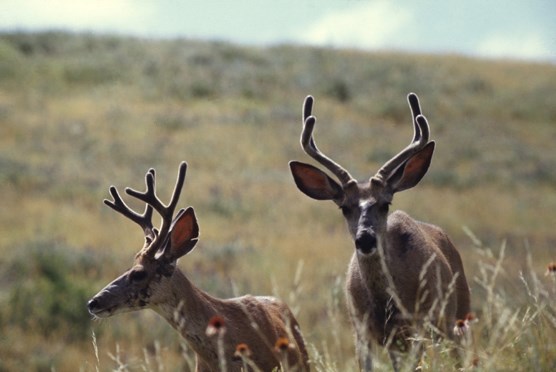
x: 272, y: 316
x: 155, y: 282
x: 367, y: 283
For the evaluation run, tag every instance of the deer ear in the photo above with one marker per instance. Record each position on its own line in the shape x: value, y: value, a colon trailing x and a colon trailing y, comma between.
x: 315, y: 183
x: 412, y: 171
x: 184, y: 234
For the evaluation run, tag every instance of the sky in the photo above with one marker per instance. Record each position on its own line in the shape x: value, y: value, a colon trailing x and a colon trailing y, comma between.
x: 515, y: 29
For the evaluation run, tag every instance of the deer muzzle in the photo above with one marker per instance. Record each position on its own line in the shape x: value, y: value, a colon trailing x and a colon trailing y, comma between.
x: 365, y: 241
x: 97, y: 309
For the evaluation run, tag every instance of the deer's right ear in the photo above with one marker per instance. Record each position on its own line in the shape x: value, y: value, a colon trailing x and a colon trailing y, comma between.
x: 315, y: 183
x: 184, y: 234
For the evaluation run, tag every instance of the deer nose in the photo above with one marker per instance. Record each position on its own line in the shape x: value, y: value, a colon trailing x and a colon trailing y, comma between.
x: 365, y: 242
x: 92, y: 304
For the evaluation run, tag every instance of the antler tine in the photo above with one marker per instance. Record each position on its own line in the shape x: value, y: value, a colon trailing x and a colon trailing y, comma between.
x: 307, y: 107
x: 166, y: 211
x: 421, y: 133
x: 413, y: 101
x: 144, y: 220
x: 309, y: 146
x: 179, y: 185
x: 419, y: 130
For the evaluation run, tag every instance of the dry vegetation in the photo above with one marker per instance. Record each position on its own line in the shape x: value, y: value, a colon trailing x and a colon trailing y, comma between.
x: 81, y: 112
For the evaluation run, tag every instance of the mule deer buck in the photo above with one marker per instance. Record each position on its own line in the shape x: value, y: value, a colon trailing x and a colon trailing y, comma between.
x: 404, y: 274
x: 154, y: 281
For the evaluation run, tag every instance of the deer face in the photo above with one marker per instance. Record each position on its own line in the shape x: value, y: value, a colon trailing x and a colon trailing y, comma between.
x: 148, y: 281
x: 143, y: 284
x: 130, y: 291
x: 364, y: 204
x: 365, y: 209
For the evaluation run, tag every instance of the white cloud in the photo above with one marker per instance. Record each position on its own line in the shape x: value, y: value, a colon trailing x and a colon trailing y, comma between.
x: 104, y: 15
x: 367, y: 25
x: 523, y: 46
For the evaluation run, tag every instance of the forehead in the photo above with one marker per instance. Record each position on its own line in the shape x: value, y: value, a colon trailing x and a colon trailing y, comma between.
x: 366, y: 192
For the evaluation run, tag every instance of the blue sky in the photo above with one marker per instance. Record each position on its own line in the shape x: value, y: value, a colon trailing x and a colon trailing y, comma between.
x: 517, y: 29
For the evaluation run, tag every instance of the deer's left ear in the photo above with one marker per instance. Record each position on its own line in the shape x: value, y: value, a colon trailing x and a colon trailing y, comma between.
x: 184, y: 234
x: 413, y: 170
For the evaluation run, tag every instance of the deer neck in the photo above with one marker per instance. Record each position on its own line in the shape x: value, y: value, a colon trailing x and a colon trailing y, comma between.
x: 188, y: 309
x: 372, y: 267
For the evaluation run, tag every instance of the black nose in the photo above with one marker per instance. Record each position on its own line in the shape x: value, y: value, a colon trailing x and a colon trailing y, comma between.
x: 92, y: 304
x: 365, y: 242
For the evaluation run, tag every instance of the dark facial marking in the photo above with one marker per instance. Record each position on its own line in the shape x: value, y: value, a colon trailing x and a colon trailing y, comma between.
x: 405, y: 243
x: 137, y: 275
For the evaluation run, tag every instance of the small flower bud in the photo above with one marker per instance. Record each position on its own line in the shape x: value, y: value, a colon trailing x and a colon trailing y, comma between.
x: 282, y: 345
x: 461, y: 327
x: 243, y: 351
x: 216, y: 326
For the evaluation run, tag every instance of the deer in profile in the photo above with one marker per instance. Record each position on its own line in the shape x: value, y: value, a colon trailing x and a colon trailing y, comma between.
x: 154, y: 281
x: 404, y: 274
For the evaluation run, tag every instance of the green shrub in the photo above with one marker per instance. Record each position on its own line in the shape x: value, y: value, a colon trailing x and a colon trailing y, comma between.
x: 48, y: 291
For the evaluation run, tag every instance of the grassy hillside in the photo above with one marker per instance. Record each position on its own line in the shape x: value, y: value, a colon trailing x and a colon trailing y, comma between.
x: 79, y: 113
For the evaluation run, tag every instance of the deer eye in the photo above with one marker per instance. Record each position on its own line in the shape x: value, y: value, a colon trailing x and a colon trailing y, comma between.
x: 137, y: 275
x: 346, y: 211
